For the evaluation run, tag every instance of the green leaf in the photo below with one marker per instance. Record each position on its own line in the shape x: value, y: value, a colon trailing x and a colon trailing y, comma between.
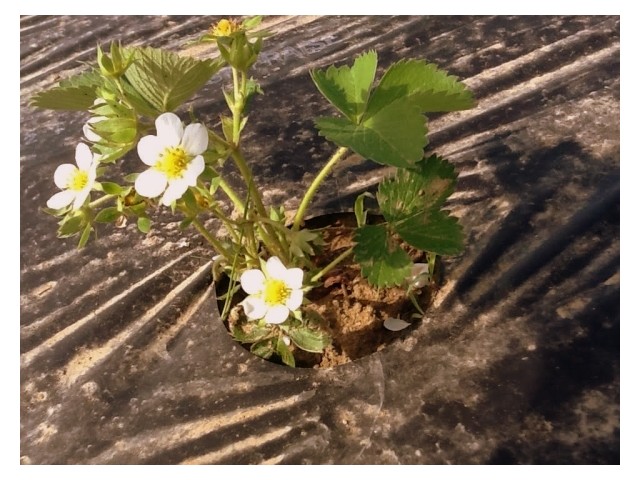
x: 144, y: 224
x: 396, y: 135
x: 348, y: 88
x: 111, y: 188
x: 252, y: 332
x: 301, y: 241
x: 433, y: 231
x: 424, y: 187
x: 108, y: 215
x: 382, y: 262
x: 411, y: 203
x: 358, y: 208
x: 166, y: 80
x: 263, y: 348
x: 285, y: 353
x: 314, y: 341
x: 65, y: 98
x: 75, y: 93
x: 422, y: 84
x: 71, y: 225
x: 186, y: 222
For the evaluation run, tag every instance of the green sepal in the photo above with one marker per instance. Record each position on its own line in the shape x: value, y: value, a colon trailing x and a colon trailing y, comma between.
x: 383, y: 263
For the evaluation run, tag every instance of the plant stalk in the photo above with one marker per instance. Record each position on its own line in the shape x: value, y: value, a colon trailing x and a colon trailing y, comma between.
x: 332, y: 265
x: 308, y: 196
x: 215, y: 243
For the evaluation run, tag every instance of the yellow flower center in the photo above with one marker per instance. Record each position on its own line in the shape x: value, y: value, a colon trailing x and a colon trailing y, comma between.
x: 78, y: 180
x: 173, y: 162
x: 225, y: 27
x: 276, y: 292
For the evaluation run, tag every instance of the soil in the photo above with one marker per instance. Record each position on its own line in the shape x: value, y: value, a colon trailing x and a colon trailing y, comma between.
x: 354, y: 310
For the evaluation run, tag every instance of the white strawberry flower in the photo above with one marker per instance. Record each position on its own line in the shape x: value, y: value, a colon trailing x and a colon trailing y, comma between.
x: 174, y: 155
x: 75, y: 182
x: 274, y: 293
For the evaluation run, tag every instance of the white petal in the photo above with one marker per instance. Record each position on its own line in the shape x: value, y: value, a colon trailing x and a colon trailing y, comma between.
x: 174, y: 191
x: 293, y: 277
x: 195, y: 139
x: 91, y: 173
x: 61, y: 199
x: 277, y: 314
x: 275, y: 269
x: 63, y: 174
x: 89, y: 134
x: 169, y: 129
x: 395, y: 324
x: 194, y: 169
x: 252, y: 281
x: 149, y: 149
x: 81, y: 196
x: 254, y: 308
x: 84, y: 157
x: 295, y: 300
x: 151, y: 183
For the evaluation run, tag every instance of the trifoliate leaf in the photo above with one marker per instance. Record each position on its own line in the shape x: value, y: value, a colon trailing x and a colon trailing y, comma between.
x: 382, y: 262
x: 411, y: 203
x: 395, y: 135
x: 166, y: 80
x: 347, y: 88
x: 422, y: 84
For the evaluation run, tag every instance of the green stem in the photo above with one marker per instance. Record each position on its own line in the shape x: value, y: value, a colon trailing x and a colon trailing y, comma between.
x: 211, y: 239
x: 102, y: 200
x: 332, y: 265
x: 267, y: 233
x: 233, y: 196
x: 308, y: 196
